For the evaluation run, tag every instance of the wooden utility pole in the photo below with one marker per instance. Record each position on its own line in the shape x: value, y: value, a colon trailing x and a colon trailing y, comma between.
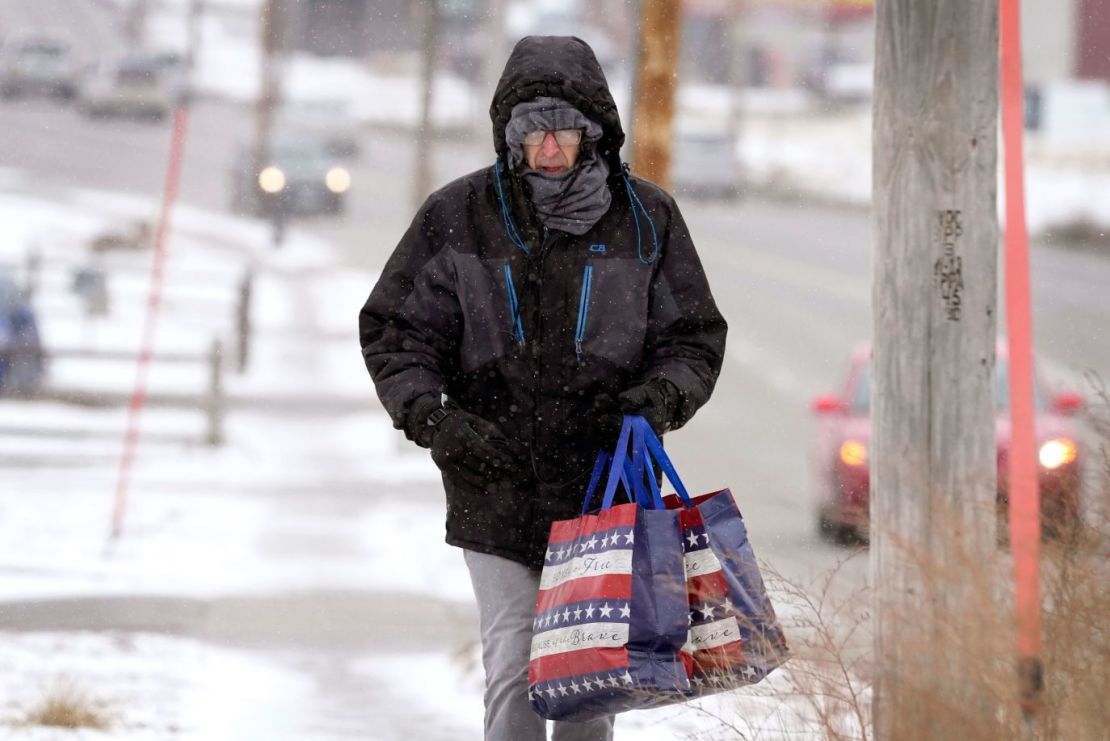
x: 656, y: 80
x: 934, y: 293
x: 424, y: 138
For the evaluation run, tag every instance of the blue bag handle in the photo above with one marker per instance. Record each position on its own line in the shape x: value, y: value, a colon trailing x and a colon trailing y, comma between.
x: 599, y: 467
x: 654, y: 450
x: 619, y: 469
x: 634, y: 487
x: 641, y: 464
x: 626, y: 478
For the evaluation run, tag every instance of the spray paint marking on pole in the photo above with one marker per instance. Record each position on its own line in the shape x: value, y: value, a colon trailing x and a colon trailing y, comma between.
x: 948, y: 269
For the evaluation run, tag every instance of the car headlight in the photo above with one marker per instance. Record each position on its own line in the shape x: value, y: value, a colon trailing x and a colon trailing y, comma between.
x: 271, y: 179
x: 338, y: 180
x: 853, y: 453
x: 1057, y: 452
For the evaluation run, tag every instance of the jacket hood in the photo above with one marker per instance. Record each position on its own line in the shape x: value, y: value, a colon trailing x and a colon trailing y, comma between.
x: 557, y: 67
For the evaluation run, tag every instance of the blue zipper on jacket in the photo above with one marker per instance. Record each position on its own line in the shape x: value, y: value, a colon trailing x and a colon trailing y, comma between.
x: 583, y: 311
x: 514, y: 306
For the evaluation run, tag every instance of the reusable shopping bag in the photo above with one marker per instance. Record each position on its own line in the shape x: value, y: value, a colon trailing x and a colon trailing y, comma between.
x: 687, y: 610
x: 611, y: 614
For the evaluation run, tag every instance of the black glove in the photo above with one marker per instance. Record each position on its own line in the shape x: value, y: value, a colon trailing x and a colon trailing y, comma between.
x: 473, y: 449
x: 656, y: 401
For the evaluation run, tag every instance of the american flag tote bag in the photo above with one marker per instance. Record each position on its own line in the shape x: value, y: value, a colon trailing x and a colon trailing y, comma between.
x: 735, y: 638
x: 612, y: 613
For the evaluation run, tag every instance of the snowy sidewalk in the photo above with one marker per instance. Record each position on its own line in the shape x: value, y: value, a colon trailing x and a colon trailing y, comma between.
x: 256, y: 590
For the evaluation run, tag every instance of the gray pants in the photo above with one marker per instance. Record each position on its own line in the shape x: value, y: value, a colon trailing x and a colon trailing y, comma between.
x: 506, y: 593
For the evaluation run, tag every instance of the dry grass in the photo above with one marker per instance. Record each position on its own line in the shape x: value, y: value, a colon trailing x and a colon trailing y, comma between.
x: 958, y: 679
x: 64, y: 704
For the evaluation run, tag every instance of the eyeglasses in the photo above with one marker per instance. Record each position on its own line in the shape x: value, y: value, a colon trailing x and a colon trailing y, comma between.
x: 563, y: 137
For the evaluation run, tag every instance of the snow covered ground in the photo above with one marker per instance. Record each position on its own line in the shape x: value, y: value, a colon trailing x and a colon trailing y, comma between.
x: 312, y: 493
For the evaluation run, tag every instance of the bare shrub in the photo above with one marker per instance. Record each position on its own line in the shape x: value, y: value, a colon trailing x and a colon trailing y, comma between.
x: 64, y: 704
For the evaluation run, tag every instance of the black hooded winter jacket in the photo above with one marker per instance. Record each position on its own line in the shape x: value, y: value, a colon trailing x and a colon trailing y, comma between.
x: 526, y: 328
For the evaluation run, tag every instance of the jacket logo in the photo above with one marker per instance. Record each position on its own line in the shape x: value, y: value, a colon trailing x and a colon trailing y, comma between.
x: 597, y: 248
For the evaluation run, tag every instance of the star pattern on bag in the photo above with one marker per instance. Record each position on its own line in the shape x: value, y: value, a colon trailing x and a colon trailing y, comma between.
x: 696, y: 539
x: 592, y: 542
x: 707, y: 611
x: 564, y: 616
x: 585, y: 684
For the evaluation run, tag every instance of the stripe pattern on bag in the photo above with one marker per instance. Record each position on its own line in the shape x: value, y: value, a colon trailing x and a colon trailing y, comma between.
x: 583, y: 610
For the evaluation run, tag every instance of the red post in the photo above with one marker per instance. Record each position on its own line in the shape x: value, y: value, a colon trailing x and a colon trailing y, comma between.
x: 150, y: 322
x: 1025, y: 520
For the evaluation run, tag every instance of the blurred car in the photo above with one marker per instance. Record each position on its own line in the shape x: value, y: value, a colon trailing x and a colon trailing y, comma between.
x: 841, y: 451
x: 300, y: 176
x: 327, y: 119
x: 38, y: 64
x: 704, y: 162
x: 22, y: 364
x: 136, y: 85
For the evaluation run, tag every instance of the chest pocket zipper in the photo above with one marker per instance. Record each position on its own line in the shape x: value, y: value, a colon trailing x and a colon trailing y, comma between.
x: 583, y: 311
x: 514, y: 306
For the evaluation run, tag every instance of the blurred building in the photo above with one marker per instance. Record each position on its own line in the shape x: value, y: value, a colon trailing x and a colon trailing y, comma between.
x: 342, y: 27
x: 1093, y: 25
x: 1066, y: 66
x: 777, y: 43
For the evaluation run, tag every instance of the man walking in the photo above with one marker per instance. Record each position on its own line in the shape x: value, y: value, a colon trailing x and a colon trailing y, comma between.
x: 526, y: 308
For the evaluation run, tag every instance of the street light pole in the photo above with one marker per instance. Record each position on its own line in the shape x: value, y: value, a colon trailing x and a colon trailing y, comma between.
x: 425, y: 131
x: 135, y: 22
x: 933, y: 484
x: 269, y: 98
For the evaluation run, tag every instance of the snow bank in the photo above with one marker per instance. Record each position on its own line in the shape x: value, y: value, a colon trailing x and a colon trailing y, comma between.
x: 828, y: 156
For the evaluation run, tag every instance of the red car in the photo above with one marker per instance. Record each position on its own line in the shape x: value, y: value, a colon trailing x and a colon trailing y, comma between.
x: 841, y: 451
